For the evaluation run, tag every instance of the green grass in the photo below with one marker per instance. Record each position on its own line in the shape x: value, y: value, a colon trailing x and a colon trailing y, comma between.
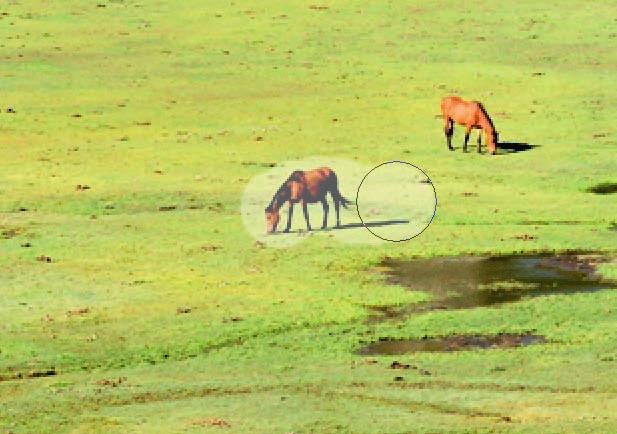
x: 172, y: 97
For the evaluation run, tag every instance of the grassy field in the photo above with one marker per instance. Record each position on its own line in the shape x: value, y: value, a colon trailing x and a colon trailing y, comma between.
x: 159, y: 312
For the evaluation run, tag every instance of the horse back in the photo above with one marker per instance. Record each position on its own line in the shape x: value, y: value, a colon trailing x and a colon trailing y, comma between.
x: 296, y: 176
x: 317, y: 183
x: 460, y: 110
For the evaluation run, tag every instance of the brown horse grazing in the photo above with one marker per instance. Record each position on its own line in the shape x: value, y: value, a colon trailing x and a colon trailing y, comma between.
x: 306, y: 187
x: 471, y: 114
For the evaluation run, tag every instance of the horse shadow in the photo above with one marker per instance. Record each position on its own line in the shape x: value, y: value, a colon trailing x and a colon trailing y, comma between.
x: 352, y: 226
x: 373, y: 224
x: 514, y: 147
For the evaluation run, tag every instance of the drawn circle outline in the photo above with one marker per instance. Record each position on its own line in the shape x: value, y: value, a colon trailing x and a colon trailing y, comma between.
x: 434, y: 208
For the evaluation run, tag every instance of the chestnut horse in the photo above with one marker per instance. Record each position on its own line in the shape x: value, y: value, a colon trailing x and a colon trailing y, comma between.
x: 471, y: 114
x: 306, y: 187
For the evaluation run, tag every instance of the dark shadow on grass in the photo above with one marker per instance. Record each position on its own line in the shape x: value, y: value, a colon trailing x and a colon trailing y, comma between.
x: 513, y: 147
x: 349, y: 226
x: 373, y: 224
x: 603, y: 188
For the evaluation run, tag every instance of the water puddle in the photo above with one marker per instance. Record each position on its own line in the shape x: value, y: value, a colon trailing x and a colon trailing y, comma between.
x: 467, y: 282
x: 449, y: 343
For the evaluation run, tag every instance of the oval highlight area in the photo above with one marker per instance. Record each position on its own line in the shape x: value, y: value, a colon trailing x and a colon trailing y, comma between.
x: 262, y: 187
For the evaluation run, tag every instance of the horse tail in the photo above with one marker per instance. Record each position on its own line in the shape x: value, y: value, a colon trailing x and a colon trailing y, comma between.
x: 442, y: 106
x: 342, y: 200
x: 336, y: 194
x: 446, y: 104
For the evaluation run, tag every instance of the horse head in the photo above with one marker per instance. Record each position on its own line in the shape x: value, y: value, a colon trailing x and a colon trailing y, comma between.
x: 272, y: 219
x: 492, y: 143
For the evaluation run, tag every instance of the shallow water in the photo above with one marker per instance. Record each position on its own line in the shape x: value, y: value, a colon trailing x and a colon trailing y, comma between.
x: 469, y: 281
x: 466, y: 282
x: 449, y: 343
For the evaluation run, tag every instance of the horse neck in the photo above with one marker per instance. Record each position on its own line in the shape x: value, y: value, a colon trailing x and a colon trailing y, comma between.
x: 486, y: 123
x: 280, y: 197
x: 489, y: 129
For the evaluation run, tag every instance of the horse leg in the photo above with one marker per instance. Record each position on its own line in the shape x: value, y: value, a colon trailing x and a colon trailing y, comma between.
x: 324, y: 204
x: 289, y: 214
x: 336, y: 210
x: 448, y: 129
x: 480, y: 142
x: 306, y: 216
x: 467, y: 132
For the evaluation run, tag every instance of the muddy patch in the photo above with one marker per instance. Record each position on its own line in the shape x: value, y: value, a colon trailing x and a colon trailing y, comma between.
x: 213, y: 421
x: 31, y: 374
x: 448, y: 344
x: 603, y: 188
x: 259, y: 164
x: 111, y: 382
x: 466, y: 282
x: 9, y: 233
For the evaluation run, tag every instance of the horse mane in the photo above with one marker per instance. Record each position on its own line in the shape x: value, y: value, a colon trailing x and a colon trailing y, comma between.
x: 485, y: 113
x: 296, y: 175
